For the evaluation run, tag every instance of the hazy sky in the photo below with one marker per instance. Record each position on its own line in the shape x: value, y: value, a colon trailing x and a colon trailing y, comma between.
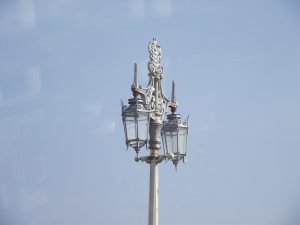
x: 65, y: 65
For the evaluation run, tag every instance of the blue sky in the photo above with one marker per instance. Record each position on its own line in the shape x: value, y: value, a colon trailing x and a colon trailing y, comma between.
x: 65, y: 65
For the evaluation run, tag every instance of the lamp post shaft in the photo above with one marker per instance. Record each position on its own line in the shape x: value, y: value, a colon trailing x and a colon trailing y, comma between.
x: 153, y: 194
x: 154, y: 146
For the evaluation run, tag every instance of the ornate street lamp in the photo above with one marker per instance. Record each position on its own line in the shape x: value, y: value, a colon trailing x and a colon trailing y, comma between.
x: 135, y: 119
x: 144, y: 125
x: 174, y: 133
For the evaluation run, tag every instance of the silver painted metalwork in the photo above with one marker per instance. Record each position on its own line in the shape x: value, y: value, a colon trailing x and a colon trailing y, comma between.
x: 151, y: 103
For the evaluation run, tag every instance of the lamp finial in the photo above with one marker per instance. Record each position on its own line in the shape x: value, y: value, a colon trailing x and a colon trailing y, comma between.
x: 135, y: 76
x: 173, y: 104
x: 135, y: 82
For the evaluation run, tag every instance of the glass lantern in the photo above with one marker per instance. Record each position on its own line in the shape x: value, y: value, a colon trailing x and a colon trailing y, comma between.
x: 136, y: 123
x: 174, y: 136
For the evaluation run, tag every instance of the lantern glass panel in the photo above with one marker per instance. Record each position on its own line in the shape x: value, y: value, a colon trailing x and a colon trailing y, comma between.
x: 182, y: 141
x: 168, y: 141
x: 143, y: 127
x: 130, y: 128
x: 175, y: 142
x: 171, y: 142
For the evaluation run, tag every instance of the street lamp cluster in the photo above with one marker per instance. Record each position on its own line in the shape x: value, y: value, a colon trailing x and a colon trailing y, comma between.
x: 144, y: 125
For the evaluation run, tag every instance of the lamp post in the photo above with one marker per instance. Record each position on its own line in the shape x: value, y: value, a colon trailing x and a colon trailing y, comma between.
x: 145, y: 125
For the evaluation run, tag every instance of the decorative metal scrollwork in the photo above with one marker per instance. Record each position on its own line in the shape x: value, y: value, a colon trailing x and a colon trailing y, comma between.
x: 154, y: 65
x: 155, y: 74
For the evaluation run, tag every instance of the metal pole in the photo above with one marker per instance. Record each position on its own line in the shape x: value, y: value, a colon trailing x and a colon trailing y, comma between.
x: 154, y: 146
x: 153, y: 194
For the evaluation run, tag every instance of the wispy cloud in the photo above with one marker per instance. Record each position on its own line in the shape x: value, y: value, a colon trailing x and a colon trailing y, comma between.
x: 34, y: 81
x: 108, y: 127
x: 99, y: 122
x: 18, y: 15
x: 1, y: 95
x: 33, y: 201
x: 239, y: 58
x: 3, y: 197
x: 163, y: 8
x: 93, y: 109
x: 26, y: 13
x: 138, y: 9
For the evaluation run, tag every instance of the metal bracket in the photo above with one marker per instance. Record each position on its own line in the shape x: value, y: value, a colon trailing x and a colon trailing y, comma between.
x: 159, y: 159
